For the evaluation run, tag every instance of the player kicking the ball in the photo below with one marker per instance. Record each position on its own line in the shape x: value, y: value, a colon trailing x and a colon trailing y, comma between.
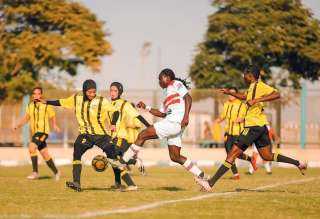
x: 91, y: 111
x: 176, y: 108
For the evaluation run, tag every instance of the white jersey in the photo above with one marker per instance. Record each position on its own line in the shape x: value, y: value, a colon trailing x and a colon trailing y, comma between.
x: 173, y: 104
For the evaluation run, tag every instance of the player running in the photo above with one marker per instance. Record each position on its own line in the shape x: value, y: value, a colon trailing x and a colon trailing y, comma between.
x: 91, y: 112
x: 234, y: 111
x: 38, y: 115
x: 129, y: 121
x: 175, y: 114
x: 255, y: 130
x: 274, y: 140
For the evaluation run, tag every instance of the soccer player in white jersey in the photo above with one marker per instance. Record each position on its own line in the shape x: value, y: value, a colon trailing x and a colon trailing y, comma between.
x: 175, y: 114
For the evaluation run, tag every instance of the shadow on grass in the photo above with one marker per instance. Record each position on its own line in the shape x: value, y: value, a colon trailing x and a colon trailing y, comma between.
x: 44, y: 177
x: 99, y: 189
x: 169, y: 188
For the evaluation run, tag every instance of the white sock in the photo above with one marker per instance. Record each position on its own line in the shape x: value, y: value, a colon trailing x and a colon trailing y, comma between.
x: 267, y: 166
x: 133, y: 150
x: 191, y: 167
x: 251, y: 170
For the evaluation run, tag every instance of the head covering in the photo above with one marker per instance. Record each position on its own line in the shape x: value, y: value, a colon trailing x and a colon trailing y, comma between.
x: 87, y: 85
x: 254, y: 70
x: 119, y: 86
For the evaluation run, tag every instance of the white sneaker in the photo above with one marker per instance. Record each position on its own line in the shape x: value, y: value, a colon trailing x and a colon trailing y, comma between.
x: 57, y: 176
x: 33, y: 175
x: 131, y: 188
x: 204, y: 183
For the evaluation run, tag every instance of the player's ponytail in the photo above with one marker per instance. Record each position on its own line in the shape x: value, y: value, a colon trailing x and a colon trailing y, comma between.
x: 184, y: 82
x: 168, y: 72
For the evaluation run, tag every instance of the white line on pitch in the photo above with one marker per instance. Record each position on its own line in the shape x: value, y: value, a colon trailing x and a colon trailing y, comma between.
x: 91, y: 214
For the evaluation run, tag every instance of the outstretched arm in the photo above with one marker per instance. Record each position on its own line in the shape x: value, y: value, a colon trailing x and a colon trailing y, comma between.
x: 270, y: 97
x: 50, y: 102
x: 238, y: 95
x: 53, y: 102
x: 153, y: 111
x: 68, y: 102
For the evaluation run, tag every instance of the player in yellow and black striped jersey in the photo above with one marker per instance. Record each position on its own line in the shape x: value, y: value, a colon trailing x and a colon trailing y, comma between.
x: 91, y: 112
x: 127, y: 126
x: 255, y: 130
x: 39, y: 115
x: 233, y: 113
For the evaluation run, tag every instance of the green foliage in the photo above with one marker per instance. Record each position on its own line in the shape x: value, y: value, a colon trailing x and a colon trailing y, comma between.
x: 266, y: 33
x: 39, y: 36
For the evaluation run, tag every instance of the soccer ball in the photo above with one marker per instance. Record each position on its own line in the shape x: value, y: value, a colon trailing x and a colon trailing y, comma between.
x: 99, y: 163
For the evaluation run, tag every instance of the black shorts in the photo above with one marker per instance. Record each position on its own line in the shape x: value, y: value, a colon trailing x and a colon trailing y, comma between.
x: 87, y: 141
x: 39, y: 138
x: 122, y: 144
x: 259, y: 135
x: 230, y: 141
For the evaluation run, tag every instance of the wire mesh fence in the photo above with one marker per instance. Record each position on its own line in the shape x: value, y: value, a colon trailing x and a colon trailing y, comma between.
x: 283, y: 115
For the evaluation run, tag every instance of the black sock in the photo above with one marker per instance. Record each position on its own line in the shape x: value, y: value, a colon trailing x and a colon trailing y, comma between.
x: 117, y: 175
x: 76, y: 171
x: 234, y: 169
x: 52, y: 166
x: 220, y: 172
x: 284, y: 159
x: 34, y: 161
x: 127, y: 179
x: 245, y: 157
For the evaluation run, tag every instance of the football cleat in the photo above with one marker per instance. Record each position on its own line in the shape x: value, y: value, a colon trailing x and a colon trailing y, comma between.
x: 236, y: 176
x: 303, y: 167
x: 203, y: 183
x: 117, y: 186
x: 130, y: 189
x: 74, y: 185
x: 33, y: 175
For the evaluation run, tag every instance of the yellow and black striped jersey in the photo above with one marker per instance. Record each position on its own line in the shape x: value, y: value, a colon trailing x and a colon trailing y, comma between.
x: 232, y: 110
x: 127, y: 122
x: 39, y: 115
x: 255, y: 115
x: 133, y: 129
x: 91, y: 115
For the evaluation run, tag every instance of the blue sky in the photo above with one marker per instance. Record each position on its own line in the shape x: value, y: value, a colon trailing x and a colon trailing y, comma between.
x: 173, y: 27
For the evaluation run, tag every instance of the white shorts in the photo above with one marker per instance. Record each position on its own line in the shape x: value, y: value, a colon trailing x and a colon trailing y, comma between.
x: 169, y: 130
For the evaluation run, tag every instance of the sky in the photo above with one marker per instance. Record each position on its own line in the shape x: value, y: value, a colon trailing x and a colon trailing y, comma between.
x: 173, y: 27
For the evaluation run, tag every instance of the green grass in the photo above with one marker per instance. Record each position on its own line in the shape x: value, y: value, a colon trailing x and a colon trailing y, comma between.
x: 19, y: 196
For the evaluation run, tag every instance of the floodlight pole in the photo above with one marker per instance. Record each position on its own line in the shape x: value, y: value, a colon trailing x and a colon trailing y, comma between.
x: 303, y: 115
x: 25, y: 128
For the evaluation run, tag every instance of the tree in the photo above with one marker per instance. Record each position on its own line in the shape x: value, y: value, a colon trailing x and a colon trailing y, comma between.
x: 266, y: 33
x: 46, y: 35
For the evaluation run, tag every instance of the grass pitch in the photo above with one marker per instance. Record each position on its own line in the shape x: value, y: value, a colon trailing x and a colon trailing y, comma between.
x: 287, y: 195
